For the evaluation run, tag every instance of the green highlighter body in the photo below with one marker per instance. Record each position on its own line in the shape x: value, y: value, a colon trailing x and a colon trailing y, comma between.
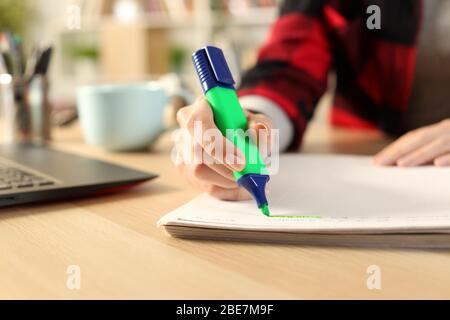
x: 218, y: 86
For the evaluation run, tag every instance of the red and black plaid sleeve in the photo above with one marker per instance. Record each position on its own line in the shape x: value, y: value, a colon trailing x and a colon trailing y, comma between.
x: 374, y: 67
x: 293, y: 64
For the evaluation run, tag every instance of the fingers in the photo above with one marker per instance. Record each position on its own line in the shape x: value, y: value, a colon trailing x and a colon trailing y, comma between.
x: 218, y: 168
x: 202, y: 172
x: 217, y: 186
x: 210, y: 177
x: 236, y: 194
x: 426, y: 154
x: 408, y: 144
x: 442, y: 161
x: 198, y: 119
x: 213, y: 172
x: 402, y: 147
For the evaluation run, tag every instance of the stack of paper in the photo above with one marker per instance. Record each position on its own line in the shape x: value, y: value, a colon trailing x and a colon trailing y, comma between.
x: 330, y: 200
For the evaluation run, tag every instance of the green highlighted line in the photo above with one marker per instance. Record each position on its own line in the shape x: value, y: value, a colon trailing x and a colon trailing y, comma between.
x: 296, y: 217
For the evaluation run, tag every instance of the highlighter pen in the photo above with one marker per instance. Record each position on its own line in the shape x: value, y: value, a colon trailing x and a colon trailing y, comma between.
x: 218, y: 86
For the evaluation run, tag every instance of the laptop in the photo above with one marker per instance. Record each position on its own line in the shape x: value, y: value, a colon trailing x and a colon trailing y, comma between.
x: 30, y: 173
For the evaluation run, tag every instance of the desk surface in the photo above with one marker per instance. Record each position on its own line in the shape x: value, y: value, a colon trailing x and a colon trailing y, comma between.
x: 122, y: 254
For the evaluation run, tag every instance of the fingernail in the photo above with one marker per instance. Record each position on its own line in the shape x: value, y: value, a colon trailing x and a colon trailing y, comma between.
x: 403, y: 163
x: 384, y: 160
x: 262, y: 125
x: 441, y: 163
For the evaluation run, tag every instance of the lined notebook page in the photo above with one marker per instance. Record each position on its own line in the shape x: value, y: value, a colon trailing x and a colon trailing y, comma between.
x: 334, y: 194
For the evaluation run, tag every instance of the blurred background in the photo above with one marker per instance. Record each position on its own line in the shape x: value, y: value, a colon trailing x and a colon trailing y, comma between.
x: 128, y: 40
x: 113, y: 73
x: 97, y: 42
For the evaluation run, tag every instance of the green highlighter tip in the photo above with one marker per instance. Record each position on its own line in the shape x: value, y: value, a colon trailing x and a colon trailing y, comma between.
x: 265, y: 210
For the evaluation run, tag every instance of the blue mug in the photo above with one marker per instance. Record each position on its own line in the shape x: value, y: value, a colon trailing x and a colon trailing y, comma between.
x: 121, y: 117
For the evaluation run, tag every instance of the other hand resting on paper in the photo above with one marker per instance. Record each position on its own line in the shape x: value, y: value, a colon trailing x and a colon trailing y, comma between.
x: 430, y: 144
x: 214, y: 174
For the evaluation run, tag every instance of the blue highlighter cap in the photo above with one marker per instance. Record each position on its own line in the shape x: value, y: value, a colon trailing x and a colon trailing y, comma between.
x: 255, y: 184
x: 212, y: 68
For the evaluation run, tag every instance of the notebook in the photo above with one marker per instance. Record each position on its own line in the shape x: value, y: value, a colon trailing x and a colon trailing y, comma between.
x: 330, y: 200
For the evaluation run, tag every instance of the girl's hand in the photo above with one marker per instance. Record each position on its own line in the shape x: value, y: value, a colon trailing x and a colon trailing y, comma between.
x: 427, y: 145
x: 214, y: 174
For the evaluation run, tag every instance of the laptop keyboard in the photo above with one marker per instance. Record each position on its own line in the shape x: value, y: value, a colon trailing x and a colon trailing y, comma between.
x: 14, y: 178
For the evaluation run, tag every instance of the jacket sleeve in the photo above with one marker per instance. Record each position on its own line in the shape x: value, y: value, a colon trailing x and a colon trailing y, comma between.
x: 293, y: 64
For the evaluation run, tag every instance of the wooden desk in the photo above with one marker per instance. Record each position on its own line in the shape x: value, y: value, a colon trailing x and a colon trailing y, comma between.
x: 122, y: 254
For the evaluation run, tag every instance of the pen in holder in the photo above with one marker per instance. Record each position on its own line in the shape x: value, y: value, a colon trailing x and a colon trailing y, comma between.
x: 25, y: 109
x: 39, y: 109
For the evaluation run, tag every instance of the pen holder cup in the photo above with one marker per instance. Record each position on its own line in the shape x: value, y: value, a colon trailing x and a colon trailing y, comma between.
x: 25, y: 109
